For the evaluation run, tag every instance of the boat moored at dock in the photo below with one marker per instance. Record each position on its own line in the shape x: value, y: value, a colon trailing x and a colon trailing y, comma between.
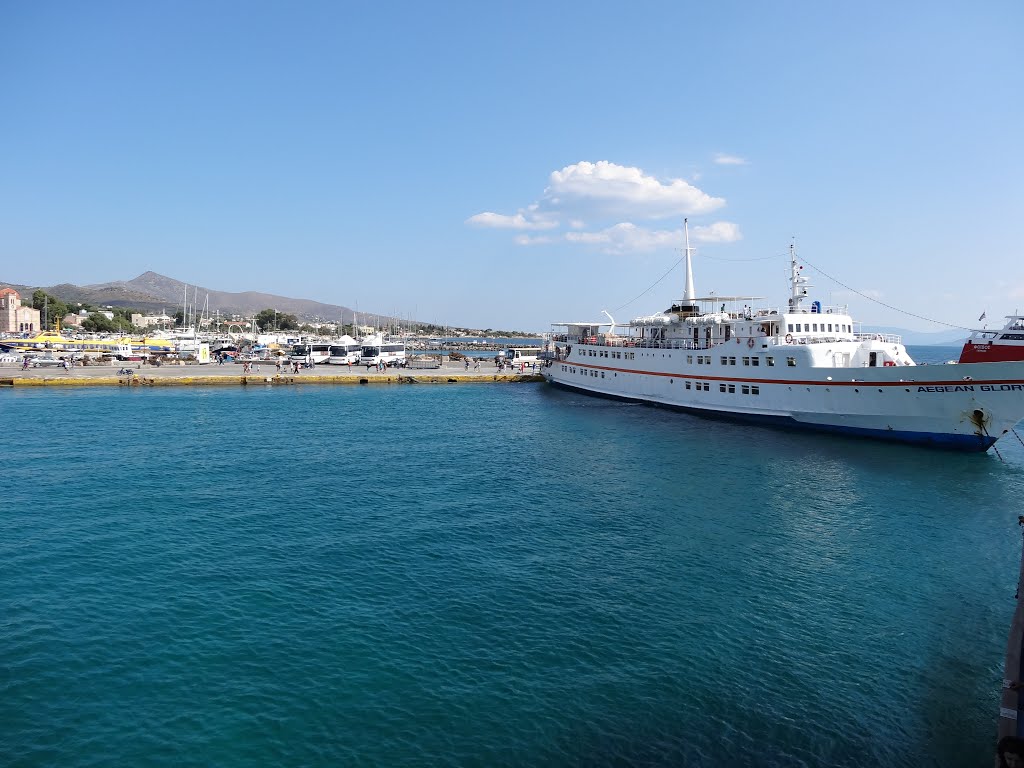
x: 804, y: 366
x: 996, y: 346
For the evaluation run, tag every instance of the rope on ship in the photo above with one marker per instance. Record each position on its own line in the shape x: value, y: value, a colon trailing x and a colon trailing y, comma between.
x: 985, y: 430
x: 647, y: 290
x: 1016, y: 435
x: 877, y: 301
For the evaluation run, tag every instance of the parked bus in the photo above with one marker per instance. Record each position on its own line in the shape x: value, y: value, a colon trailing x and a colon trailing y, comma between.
x: 520, y: 355
x: 377, y: 350
x: 344, y: 351
x: 319, y: 352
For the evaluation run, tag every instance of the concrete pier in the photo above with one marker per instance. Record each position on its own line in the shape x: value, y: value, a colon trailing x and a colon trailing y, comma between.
x: 231, y: 375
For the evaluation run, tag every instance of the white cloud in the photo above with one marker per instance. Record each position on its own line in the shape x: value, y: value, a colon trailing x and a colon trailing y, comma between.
x: 501, y: 221
x: 602, y: 191
x: 627, y: 237
x: 723, y: 159
x: 617, y: 191
x: 534, y: 239
x: 605, y: 192
x: 719, y: 232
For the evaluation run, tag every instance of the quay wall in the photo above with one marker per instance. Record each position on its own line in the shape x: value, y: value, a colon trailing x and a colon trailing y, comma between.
x: 258, y: 380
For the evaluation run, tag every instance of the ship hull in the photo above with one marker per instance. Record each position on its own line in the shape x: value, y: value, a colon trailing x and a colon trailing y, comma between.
x: 962, y: 408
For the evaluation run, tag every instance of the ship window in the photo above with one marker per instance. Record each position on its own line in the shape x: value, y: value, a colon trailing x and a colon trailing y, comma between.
x: 725, y: 360
x: 707, y: 386
x: 746, y: 361
x: 721, y: 387
x: 755, y: 361
x: 807, y: 327
x: 602, y: 374
x: 789, y: 327
x: 687, y: 385
x: 755, y: 390
x: 732, y: 361
x: 769, y: 361
x: 791, y: 362
x: 745, y: 389
x: 830, y: 327
x: 814, y: 327
x: 689, y: 359
x: 732, y: 389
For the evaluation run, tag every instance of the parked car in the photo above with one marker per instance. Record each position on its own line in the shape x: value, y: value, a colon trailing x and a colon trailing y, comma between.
x: 42, y: 362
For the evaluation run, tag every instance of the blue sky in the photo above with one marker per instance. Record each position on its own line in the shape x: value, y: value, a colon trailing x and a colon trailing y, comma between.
x: 510, y: 164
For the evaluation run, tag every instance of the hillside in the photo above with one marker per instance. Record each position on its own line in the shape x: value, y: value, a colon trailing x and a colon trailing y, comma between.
x: 152, y: 292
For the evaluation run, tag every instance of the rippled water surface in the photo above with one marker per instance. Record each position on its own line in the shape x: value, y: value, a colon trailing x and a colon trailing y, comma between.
x: 488, y: 575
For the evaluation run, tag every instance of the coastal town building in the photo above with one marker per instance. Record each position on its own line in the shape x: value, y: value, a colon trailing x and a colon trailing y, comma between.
x: 148, y: 321
x: 14, y: 316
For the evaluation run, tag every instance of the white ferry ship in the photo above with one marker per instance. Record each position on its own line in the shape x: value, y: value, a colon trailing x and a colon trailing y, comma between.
x: 804, y: 367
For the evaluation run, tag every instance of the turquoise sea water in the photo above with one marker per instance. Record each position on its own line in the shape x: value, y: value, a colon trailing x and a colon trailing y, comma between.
x: 488, y: 575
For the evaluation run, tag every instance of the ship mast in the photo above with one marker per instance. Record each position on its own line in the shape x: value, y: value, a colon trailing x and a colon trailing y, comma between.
x: 689, y: 295
x: 799, y: 283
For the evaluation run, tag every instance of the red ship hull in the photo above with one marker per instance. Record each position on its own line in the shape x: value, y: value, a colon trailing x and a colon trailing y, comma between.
x: 991, y: 353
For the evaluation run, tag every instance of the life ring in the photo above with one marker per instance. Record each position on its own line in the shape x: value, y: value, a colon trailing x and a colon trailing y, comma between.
x: 750, y: 342
x: 789, y: 338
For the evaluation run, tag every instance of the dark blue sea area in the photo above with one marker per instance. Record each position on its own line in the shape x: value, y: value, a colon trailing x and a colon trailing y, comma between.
x: 489, y: 575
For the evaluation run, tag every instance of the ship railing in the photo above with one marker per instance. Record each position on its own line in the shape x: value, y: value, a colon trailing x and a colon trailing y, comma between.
x: 837, y: 309
x: 636, y: 343
x: 818, y: 339
x: 887, y: 338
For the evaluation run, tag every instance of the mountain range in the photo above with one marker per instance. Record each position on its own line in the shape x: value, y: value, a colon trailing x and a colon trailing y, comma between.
x: 152, y: 292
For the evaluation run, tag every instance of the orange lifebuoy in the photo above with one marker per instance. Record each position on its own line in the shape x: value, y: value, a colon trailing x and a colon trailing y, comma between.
x: 789, y: 338
x: 750, y: 342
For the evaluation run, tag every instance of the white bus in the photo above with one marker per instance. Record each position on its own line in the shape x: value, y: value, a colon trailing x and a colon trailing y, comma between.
x: 310, y: 353
x: 344, y: 351
x: 520, y: 355
x: 377, y: 350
